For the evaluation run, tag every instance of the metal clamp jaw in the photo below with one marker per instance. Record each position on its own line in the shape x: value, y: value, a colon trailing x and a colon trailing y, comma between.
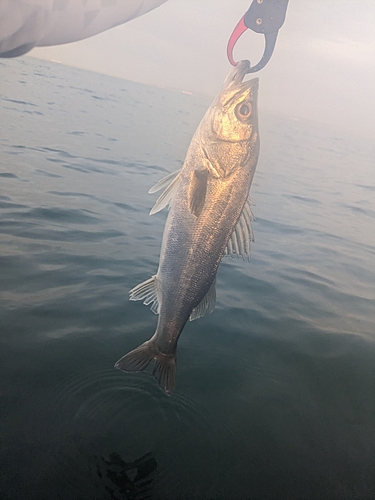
x: 263, y: 16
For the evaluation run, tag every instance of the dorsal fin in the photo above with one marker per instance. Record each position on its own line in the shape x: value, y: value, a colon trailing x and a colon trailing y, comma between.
x: 242, y: 236
x: 206, y: 305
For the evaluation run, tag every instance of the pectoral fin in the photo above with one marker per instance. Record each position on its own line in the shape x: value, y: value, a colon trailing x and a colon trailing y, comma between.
x: 242, y: 236
x: 206, y: 305
x: 197, y: 191
x: 170, y: 185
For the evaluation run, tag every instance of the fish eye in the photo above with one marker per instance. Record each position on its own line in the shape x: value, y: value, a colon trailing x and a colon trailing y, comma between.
x: 243, y: 110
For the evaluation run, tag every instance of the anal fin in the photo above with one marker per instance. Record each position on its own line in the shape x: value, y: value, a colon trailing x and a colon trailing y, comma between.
x: 148, y: 292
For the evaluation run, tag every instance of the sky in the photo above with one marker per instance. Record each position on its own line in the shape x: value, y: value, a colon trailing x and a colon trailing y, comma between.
x: 323, y: 67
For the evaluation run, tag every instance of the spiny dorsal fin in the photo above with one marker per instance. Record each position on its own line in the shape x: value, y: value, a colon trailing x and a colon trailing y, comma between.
x: 242, y: 236
x: 148, y: 292
x: 170, y: 185
x: 197, y: 191
x: 206, y: 305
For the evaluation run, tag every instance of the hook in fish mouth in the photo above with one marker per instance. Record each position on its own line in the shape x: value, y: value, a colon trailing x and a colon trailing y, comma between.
x: 237, y: 74
x: 234, y: 84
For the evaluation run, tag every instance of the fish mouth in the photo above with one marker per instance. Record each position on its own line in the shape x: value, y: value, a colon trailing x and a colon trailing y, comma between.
x: 235, y: 88
x: 236, y: 76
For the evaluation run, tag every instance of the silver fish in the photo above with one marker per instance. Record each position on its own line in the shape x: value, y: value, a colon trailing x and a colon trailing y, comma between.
x: 209, y: 216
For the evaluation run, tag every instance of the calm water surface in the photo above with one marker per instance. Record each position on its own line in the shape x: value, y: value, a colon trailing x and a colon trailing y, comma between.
x: 275, y: 389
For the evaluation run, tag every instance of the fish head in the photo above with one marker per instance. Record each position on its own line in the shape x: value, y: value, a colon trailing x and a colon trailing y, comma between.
x: 230, y: 127
x: 236, y: 108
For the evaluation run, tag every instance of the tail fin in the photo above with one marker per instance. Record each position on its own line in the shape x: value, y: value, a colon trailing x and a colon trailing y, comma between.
x: 137, y: 360
x: 164, y: 369
x: 165, y: 372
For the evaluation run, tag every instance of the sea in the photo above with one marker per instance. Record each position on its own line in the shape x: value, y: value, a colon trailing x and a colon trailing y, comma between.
x: 275, y: 393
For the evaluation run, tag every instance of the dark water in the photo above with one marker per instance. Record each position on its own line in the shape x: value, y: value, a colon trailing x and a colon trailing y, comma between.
x: 275, y: 389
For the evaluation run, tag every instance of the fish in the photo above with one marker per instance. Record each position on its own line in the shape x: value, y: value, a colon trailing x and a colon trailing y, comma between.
x: 209, y: 217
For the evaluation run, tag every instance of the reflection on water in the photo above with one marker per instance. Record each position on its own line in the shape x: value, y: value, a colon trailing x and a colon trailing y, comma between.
x: 128, y: 480
x: 276, y: 388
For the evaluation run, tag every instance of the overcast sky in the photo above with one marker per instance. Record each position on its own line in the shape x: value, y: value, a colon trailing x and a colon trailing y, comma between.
x: 323, y: 66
